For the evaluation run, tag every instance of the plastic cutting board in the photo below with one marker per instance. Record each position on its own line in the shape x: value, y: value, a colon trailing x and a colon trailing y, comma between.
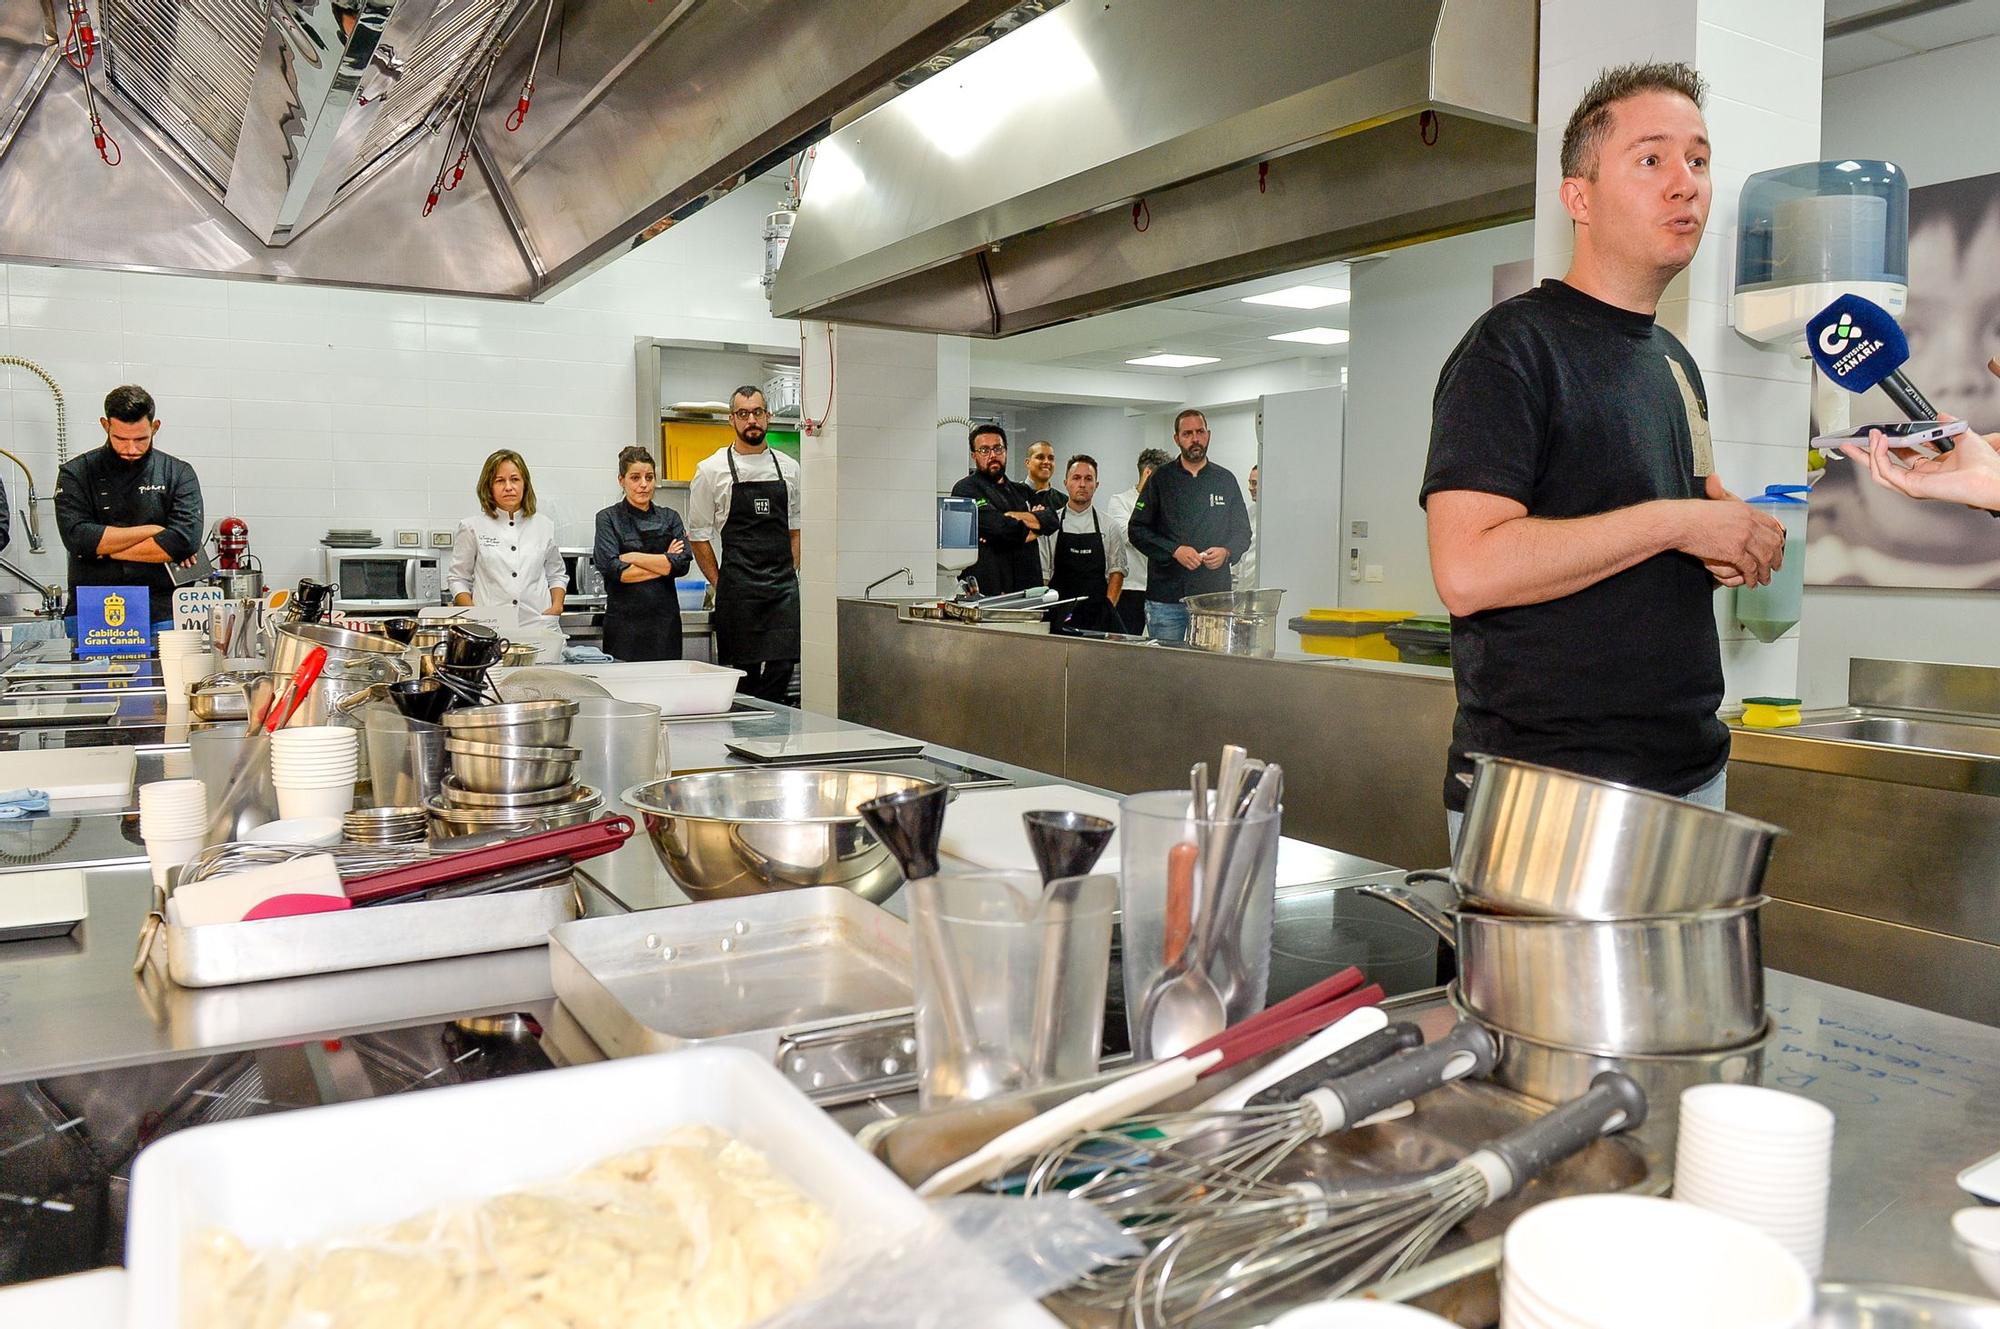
x: 983, y: 827
x: 71, y: 772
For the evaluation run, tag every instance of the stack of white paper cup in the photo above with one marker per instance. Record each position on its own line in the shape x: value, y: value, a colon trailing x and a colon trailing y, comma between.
x: 186, y: 658
x: 173, y: 814
x: 313, y: 768
x: 1760, y: 1155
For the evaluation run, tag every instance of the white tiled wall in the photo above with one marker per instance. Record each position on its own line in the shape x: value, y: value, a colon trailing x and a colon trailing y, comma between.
x: 305, y: 407
x: 1762, y: 62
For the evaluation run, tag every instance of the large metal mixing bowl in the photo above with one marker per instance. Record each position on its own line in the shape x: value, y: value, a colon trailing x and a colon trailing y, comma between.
x: 744, y: 832
x: 520, y: 723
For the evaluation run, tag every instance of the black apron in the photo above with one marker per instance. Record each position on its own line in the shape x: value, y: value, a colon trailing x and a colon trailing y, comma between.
x: 756, y: 587
x: 1079, y: 569
x: 642, y: 620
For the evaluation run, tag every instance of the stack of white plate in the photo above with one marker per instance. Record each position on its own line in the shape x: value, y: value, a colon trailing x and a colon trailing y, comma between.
x: 313, y: 768
x: 1761, y: 1155
x: 1636, y: 1262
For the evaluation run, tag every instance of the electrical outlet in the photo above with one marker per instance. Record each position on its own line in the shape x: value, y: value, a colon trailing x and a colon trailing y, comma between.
x: 409, y: 539
x: 1374, y: 572
x: 442, y: 539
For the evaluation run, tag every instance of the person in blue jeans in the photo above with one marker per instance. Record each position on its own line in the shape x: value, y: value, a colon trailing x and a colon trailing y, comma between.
x: 1190, y: 522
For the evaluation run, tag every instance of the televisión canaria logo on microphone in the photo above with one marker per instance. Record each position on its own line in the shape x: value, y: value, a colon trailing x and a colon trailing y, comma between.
x: 1836, y: 339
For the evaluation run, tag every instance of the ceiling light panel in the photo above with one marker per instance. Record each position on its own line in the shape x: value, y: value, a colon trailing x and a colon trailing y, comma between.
x: 1300, y: 297
x: 1313, y: 336
x: 1173, y: 361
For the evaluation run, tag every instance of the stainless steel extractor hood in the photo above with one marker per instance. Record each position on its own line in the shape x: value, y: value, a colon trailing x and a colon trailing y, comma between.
x: 1106, y: 155
x: 299, y: 139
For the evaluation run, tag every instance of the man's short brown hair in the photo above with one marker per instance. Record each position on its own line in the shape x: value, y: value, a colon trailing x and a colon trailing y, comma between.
x: 1583, y: 139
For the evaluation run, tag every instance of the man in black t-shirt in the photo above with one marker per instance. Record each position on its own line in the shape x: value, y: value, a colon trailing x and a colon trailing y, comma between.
x: 1577, y: 527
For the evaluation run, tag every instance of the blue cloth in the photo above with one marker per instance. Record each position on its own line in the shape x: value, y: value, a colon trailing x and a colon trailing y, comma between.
x: 1166, y: 622
x: 584, y: 655
x: 20, y: 802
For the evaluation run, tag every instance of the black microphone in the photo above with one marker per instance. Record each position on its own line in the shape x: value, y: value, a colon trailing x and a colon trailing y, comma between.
x: 1859, y: 345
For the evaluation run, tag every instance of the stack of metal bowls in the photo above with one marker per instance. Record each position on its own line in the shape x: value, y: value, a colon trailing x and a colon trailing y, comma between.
x: 1602, y: 927
x: 511, y: 769
x: 378, y: 826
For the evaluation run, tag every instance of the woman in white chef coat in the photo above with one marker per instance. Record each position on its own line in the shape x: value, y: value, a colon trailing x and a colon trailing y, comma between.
x: 507, y: 554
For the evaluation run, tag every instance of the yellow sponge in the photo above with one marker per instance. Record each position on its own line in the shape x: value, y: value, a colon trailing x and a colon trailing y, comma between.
x: 1770, y: 712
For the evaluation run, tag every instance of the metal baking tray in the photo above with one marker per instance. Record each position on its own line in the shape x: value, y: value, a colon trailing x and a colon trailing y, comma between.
x: 783, y: 974
x: 223, y: 953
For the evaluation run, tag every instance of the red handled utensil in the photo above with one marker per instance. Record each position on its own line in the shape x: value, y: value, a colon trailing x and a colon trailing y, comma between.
x: 576, y: 843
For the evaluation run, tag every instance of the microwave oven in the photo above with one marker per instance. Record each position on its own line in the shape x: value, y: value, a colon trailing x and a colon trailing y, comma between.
x: 384, y: 580
x: 586, y: 584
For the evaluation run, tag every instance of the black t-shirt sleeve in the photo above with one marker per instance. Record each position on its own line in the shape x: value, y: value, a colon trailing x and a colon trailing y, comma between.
x: 1488, y: 427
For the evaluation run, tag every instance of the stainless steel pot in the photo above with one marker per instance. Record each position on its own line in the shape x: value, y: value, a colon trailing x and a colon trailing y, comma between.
x: 295, y: 640
x: 221, y: 696
x: 1548, y: 1071
x: 341, y: 682
x: 1542, y: 841
x: 1676, y: 983
x: 744, y: 832
x: 1234, y: 622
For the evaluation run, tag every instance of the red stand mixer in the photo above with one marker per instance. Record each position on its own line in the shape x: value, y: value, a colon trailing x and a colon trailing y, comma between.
x: 237, y: 570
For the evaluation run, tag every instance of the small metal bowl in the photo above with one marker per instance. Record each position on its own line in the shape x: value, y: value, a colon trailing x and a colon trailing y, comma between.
x: 449, y: 822
x: 457, y: 795
x: 520, y: 723
x: 497, y: 768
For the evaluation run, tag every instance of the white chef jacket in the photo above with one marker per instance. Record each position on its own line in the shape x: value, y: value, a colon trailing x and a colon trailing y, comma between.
x: 507, y: 559
x: 708, y: 496
x: 1245, y: 571
x: 1118, y: 515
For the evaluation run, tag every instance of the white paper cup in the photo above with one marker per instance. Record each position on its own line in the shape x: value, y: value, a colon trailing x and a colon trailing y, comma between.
x: 330, y: 800
x: 172, y: 808
x: 165, y: 853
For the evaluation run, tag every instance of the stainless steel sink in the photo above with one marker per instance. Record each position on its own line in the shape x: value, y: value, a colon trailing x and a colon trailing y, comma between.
x: 1972, y: 740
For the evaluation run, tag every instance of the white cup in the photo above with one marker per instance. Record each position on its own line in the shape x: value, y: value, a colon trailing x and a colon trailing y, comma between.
x: 165, y: 853
x: 181, y: 670
x: 169, y: 808
x: 1761, y: 1156
x: 329, y: 800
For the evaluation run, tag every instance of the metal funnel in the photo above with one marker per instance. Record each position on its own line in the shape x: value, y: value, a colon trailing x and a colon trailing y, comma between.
x: 910, y: 823
x: 1066, y: 844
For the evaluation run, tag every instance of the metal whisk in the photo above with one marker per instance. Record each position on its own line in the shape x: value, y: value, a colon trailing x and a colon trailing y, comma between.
x: 1231, y: 1264
x: 1146, y: 1167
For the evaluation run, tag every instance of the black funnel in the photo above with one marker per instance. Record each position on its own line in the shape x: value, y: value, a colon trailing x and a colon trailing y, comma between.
x: 1066, y: 844
x: 910, y: 823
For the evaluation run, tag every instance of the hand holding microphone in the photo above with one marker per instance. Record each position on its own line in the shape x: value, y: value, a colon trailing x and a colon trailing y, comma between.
x: 1859, y: 345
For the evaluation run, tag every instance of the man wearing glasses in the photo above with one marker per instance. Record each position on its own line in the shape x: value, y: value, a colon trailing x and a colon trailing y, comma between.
x: 1011, y: 518
x: 749, y: 495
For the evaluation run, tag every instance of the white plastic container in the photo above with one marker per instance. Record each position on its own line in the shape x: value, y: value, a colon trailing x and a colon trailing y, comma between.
x: 385, y: 1159
x: 677, y: 687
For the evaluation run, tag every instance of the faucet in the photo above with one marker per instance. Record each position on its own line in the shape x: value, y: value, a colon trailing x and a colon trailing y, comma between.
x: 52, y: 596
x: 904, y: 573
x: 35, y: 544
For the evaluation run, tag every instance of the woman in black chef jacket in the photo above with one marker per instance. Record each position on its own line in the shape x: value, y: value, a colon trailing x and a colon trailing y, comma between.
x: 641, y: 547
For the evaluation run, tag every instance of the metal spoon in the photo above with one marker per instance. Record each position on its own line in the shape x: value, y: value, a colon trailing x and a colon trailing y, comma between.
x: 910, y: 823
